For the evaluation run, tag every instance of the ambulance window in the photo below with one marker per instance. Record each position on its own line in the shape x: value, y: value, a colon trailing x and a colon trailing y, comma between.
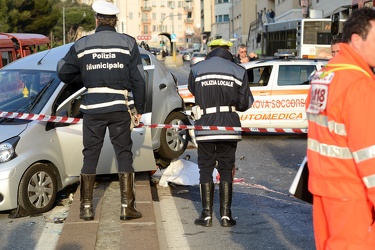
x: 294, y: 74
x: 259, y: 76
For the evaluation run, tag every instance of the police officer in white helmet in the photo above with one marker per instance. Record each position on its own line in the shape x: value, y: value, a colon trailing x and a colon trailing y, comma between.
x: 109, y: 65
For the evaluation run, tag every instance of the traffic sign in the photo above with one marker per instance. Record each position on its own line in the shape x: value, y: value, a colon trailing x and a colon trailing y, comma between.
x: 173, y: 37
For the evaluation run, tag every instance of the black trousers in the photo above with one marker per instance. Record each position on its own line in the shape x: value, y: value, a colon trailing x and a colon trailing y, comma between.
x: 224, y: 153
x: 94, y: 129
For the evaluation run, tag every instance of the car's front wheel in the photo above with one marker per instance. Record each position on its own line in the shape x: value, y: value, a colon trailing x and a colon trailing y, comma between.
x: 37, y: 189
x: 174, y: 141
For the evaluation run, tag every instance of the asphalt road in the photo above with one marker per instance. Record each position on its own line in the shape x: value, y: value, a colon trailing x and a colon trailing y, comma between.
x: 267, y: 216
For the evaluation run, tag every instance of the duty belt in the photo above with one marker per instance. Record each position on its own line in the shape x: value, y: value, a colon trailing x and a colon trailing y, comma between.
x: 217, y: 110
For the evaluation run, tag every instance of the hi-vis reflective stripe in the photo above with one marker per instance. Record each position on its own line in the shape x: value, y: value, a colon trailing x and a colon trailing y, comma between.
x: 92, y: 51
x: 107, y: 90
x: 322, y: 120
x: 218, y: 77
x: 364, y: 154
x: 329, y: 150
x: 344, y: 66
x: 102, y: 105
x: 369, y: 181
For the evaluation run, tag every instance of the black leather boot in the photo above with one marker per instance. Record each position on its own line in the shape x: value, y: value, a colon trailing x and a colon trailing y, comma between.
x: 207, y: 197
x: 226, y: 191
x: 87, y: 187
x: 127, y: 190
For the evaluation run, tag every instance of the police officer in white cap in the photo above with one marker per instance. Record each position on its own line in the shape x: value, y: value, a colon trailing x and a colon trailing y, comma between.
x: 108, y: 64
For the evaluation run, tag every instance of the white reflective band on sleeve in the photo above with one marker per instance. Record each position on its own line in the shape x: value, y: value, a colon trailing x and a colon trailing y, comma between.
x: 369, y: 181
x: 322, y: 120
x: 364, y: 154
x: 329, y: 150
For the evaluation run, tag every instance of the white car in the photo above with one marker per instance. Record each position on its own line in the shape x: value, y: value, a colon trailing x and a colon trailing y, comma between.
x: 280, y: 88
x: 38, y: 158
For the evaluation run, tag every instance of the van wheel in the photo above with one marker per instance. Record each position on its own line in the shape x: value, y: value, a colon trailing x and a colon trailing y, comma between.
x: 38, y: 189
x: 174, y: 141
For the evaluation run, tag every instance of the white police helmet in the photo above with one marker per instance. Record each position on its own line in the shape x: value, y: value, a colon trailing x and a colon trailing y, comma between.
x: 105, y: 8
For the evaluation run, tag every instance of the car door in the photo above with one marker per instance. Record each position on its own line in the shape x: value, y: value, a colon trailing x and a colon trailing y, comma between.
x: 70, y: 140
x: 260, y: 83
x: 289, y: 95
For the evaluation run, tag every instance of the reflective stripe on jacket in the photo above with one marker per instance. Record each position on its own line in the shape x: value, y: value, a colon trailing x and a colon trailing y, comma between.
x: 219, y: 82
x: 341, y: 138
x: 105, y: 59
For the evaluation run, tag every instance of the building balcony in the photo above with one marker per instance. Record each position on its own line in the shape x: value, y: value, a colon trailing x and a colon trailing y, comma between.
x: 145, y: 20
x: 146, y: 8
x: 189, y: 33
x: 189, y: 20
x: 188, y: 8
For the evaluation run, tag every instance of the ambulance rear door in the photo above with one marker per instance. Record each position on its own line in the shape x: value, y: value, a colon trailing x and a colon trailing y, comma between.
x: 260, y: 83
x: 289, y: 94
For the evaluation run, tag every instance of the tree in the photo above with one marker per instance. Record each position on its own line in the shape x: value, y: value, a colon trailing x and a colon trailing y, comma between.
x: 45, y: 17
x: 4, y: 26
x: 32, y: 16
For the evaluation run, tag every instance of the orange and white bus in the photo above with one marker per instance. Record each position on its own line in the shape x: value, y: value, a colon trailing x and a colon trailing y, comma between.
x: 16, y: 45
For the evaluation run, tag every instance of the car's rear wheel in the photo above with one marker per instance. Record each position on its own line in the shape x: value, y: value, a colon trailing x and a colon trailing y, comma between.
x: 37, y: 189
x: 174, y: 141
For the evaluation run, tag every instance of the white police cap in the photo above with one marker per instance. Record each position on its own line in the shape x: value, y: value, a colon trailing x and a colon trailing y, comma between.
x: 105, y: 8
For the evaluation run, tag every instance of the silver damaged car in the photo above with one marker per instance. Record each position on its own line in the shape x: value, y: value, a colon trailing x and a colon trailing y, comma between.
x: 40, y: 158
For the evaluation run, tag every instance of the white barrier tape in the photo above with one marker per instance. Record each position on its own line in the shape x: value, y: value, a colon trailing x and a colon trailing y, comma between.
x: 62, y: 119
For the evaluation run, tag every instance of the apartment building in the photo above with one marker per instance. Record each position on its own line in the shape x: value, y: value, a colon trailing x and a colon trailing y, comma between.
x: 195, y: 21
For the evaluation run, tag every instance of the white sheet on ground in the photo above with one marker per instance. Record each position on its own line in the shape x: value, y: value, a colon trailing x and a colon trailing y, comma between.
x: 182, y: 172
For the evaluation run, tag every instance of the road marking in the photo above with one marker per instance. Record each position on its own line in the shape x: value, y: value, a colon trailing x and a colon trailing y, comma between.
x: 172, y: 224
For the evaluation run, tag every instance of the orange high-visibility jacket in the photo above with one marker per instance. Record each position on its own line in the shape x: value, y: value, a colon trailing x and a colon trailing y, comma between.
x: 341, y: 129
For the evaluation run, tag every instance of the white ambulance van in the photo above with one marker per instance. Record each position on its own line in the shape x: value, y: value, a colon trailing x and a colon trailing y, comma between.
x: 280, y: 88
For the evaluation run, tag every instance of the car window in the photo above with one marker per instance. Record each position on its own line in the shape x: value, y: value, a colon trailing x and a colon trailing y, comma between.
x: 26, y: 90
x: 259, y: 76
x: 199, y: 55
x: 146, y: 60
x: 294, y: 74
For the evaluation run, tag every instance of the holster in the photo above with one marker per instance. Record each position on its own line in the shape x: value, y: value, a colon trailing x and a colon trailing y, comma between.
x: 196, y: 112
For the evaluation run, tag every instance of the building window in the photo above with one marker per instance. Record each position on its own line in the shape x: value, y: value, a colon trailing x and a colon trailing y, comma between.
x: 153, y: 16
x: 222, y: 18
x: 145, y: 30
x: 130, y: 15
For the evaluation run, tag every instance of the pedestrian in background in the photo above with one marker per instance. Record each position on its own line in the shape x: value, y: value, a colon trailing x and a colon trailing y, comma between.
x: 335, y: 46
x: 272, y: 16
x: 221, y: 88
x: 242, y: 56
x: 104, y: 105
x: 341, y: 140
x: 268, y: 16
x: 260, y: 18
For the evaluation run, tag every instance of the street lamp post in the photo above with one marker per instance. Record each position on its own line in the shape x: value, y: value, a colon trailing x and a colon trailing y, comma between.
x: 64, y: 25
x: 173, y: 44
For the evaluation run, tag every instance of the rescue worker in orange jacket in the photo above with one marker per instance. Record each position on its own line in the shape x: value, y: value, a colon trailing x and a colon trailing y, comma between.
x: 341, y: 140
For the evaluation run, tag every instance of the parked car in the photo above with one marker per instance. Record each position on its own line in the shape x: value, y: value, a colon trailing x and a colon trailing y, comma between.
x: 186, y: 56
x: 197, y: 57
x: 154, y: 51
x: 280, y: 88
x: 39, y: 158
